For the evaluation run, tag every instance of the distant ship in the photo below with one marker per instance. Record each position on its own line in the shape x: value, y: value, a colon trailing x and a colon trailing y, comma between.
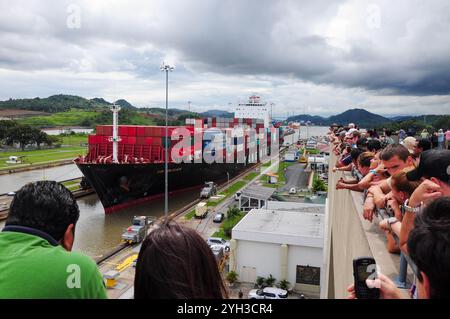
x: 125, y: 164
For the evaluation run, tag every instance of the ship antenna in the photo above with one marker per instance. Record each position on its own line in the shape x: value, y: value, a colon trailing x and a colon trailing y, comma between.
x: 115, y: 139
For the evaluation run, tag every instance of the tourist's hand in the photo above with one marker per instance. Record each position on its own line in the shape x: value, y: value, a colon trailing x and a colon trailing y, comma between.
x: 425, y: 192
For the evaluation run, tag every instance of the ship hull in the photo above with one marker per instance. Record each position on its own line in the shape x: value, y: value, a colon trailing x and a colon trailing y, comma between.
x: 122, y: 185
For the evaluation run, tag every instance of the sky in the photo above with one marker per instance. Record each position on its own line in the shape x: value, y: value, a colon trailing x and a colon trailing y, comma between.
x: 314, y: 56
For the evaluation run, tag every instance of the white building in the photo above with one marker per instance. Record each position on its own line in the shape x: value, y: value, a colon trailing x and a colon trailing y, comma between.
x: 287, y: 244
x: 254, y: 109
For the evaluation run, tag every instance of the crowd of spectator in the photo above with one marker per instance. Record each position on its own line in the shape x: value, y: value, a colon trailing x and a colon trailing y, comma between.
x: 409, y: 180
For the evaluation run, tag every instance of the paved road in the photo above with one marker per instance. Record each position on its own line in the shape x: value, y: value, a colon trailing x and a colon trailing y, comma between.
x: 295, y: 177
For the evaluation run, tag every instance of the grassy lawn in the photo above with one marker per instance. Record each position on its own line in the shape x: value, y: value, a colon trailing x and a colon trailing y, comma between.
x: 220, y: 234
x: 267, y: 164
x: 72, y: 117
x: 74, y: 140
x: 77, y: 117
x: 250, y: 176
x: 233, y: 189
x: 41, y: 156
x: 190, y: 215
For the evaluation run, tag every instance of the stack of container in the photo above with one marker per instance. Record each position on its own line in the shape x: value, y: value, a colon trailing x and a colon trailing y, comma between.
x: 137, y: 144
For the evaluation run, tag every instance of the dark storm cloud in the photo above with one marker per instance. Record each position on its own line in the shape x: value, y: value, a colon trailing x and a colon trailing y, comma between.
x: 400, y: 47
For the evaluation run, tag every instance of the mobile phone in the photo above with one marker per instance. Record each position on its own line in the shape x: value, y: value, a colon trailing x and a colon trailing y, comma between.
x: 365, y: 268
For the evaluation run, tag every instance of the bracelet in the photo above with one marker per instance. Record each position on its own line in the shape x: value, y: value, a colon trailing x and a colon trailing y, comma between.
x: 374, y: 172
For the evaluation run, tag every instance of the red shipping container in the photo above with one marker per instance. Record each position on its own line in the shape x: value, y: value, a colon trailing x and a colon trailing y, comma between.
x: 131, y: 139
x: 123, y: 130
x: 140, y: 131
x: 99, y: 130
x: 132, y: 130
x: 108, y: 130
x: 140, y: 140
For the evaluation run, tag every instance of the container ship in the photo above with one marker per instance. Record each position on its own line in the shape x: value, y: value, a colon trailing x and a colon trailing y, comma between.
x: 125, y: 164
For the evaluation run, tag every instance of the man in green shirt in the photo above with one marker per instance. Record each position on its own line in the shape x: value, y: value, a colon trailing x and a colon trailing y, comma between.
x: 35, y: 247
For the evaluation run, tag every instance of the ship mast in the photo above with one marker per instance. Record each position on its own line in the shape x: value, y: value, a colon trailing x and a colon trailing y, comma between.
x: 115, y: 138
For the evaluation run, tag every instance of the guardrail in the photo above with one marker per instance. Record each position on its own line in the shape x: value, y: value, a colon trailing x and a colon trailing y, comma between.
x: 405, y: 260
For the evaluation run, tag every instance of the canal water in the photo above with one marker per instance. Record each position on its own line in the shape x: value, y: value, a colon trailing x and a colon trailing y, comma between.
x: 12, y: 182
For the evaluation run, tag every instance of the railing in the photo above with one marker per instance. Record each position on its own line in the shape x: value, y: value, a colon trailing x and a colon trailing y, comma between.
x: 350, y: 236
x: 405, y: 260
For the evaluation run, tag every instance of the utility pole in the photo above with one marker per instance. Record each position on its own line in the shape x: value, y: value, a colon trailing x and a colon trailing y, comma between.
x: 166, y: 68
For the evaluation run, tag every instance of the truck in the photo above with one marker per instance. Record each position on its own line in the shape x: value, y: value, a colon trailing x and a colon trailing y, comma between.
x: 208, y: 190
x: 201, y: 210
x: 138, y: 230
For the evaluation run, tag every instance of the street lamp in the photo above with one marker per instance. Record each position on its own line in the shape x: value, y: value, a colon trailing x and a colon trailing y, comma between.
x: 166, y: 68
x: 228, y: 178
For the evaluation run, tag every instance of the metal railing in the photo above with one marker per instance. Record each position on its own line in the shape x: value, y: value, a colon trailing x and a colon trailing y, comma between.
x: 405, y: 260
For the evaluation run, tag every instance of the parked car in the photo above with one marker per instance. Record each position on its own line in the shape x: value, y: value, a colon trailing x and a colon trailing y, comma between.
x: 218, y: 241
x: 210, y: 189
x: 218, y: 251
x: 218, y: 218
x: 293, y: 190
x: 268, y: 293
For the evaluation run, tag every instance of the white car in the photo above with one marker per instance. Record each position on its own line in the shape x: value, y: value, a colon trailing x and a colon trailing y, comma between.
x: 268, y: 293
x: 218, y: 241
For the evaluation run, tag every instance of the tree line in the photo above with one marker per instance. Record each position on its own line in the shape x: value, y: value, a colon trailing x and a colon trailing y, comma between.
x: 13, y: 132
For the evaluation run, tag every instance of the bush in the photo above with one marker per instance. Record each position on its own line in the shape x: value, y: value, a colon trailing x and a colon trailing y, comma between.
x: 319, y: 186
x: 284, y: 284
x: 260, y: 281
x: 270, y: 281
x: 232, y: 277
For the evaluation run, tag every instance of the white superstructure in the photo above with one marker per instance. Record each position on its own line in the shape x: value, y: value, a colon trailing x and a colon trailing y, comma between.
x: 254, y: 109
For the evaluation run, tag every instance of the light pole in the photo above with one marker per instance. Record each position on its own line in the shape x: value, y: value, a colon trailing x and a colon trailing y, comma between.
x: 228, y: 178
x: 166, y: 68
x: 189, y: 103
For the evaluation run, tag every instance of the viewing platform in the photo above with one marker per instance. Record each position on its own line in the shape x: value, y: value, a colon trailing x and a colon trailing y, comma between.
x: 348, y: 236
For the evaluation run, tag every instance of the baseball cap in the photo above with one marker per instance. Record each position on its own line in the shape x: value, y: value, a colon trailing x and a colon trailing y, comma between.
x: 433, y: 163
x: 409, y: 143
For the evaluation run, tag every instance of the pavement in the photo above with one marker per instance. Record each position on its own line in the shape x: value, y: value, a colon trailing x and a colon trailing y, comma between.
x: 295, y: 177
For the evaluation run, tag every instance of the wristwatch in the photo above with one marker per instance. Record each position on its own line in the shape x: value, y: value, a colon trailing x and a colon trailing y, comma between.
x: 392, y: 220
x: 410, y: 209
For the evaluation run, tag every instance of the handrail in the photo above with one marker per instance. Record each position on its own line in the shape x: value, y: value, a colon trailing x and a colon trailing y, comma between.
x: 405, y: 260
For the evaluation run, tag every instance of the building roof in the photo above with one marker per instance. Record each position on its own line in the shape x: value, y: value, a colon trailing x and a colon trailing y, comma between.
x: 258, y: 192
x: 296, y: 207
x: 281, y: 227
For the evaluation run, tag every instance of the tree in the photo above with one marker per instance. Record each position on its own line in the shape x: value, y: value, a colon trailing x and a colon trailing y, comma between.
x: 233, y: 211
x: 22, y: 134
x: 39, y: 137
x: 5, y: 126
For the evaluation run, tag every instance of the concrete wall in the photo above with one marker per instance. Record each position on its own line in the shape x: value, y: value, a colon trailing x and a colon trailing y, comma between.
x: 349, y: 236
x: 267, y: 259
x: 345, y: 234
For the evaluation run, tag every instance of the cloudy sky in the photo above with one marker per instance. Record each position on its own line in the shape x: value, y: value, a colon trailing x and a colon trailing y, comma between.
x: 323, y: 57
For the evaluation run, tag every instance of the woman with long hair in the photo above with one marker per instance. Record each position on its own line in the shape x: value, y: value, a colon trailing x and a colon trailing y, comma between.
x: 176, y: 263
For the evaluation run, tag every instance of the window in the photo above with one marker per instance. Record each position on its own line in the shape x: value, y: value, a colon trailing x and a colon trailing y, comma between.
x: 308, y: 275
x: 270, y: 295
